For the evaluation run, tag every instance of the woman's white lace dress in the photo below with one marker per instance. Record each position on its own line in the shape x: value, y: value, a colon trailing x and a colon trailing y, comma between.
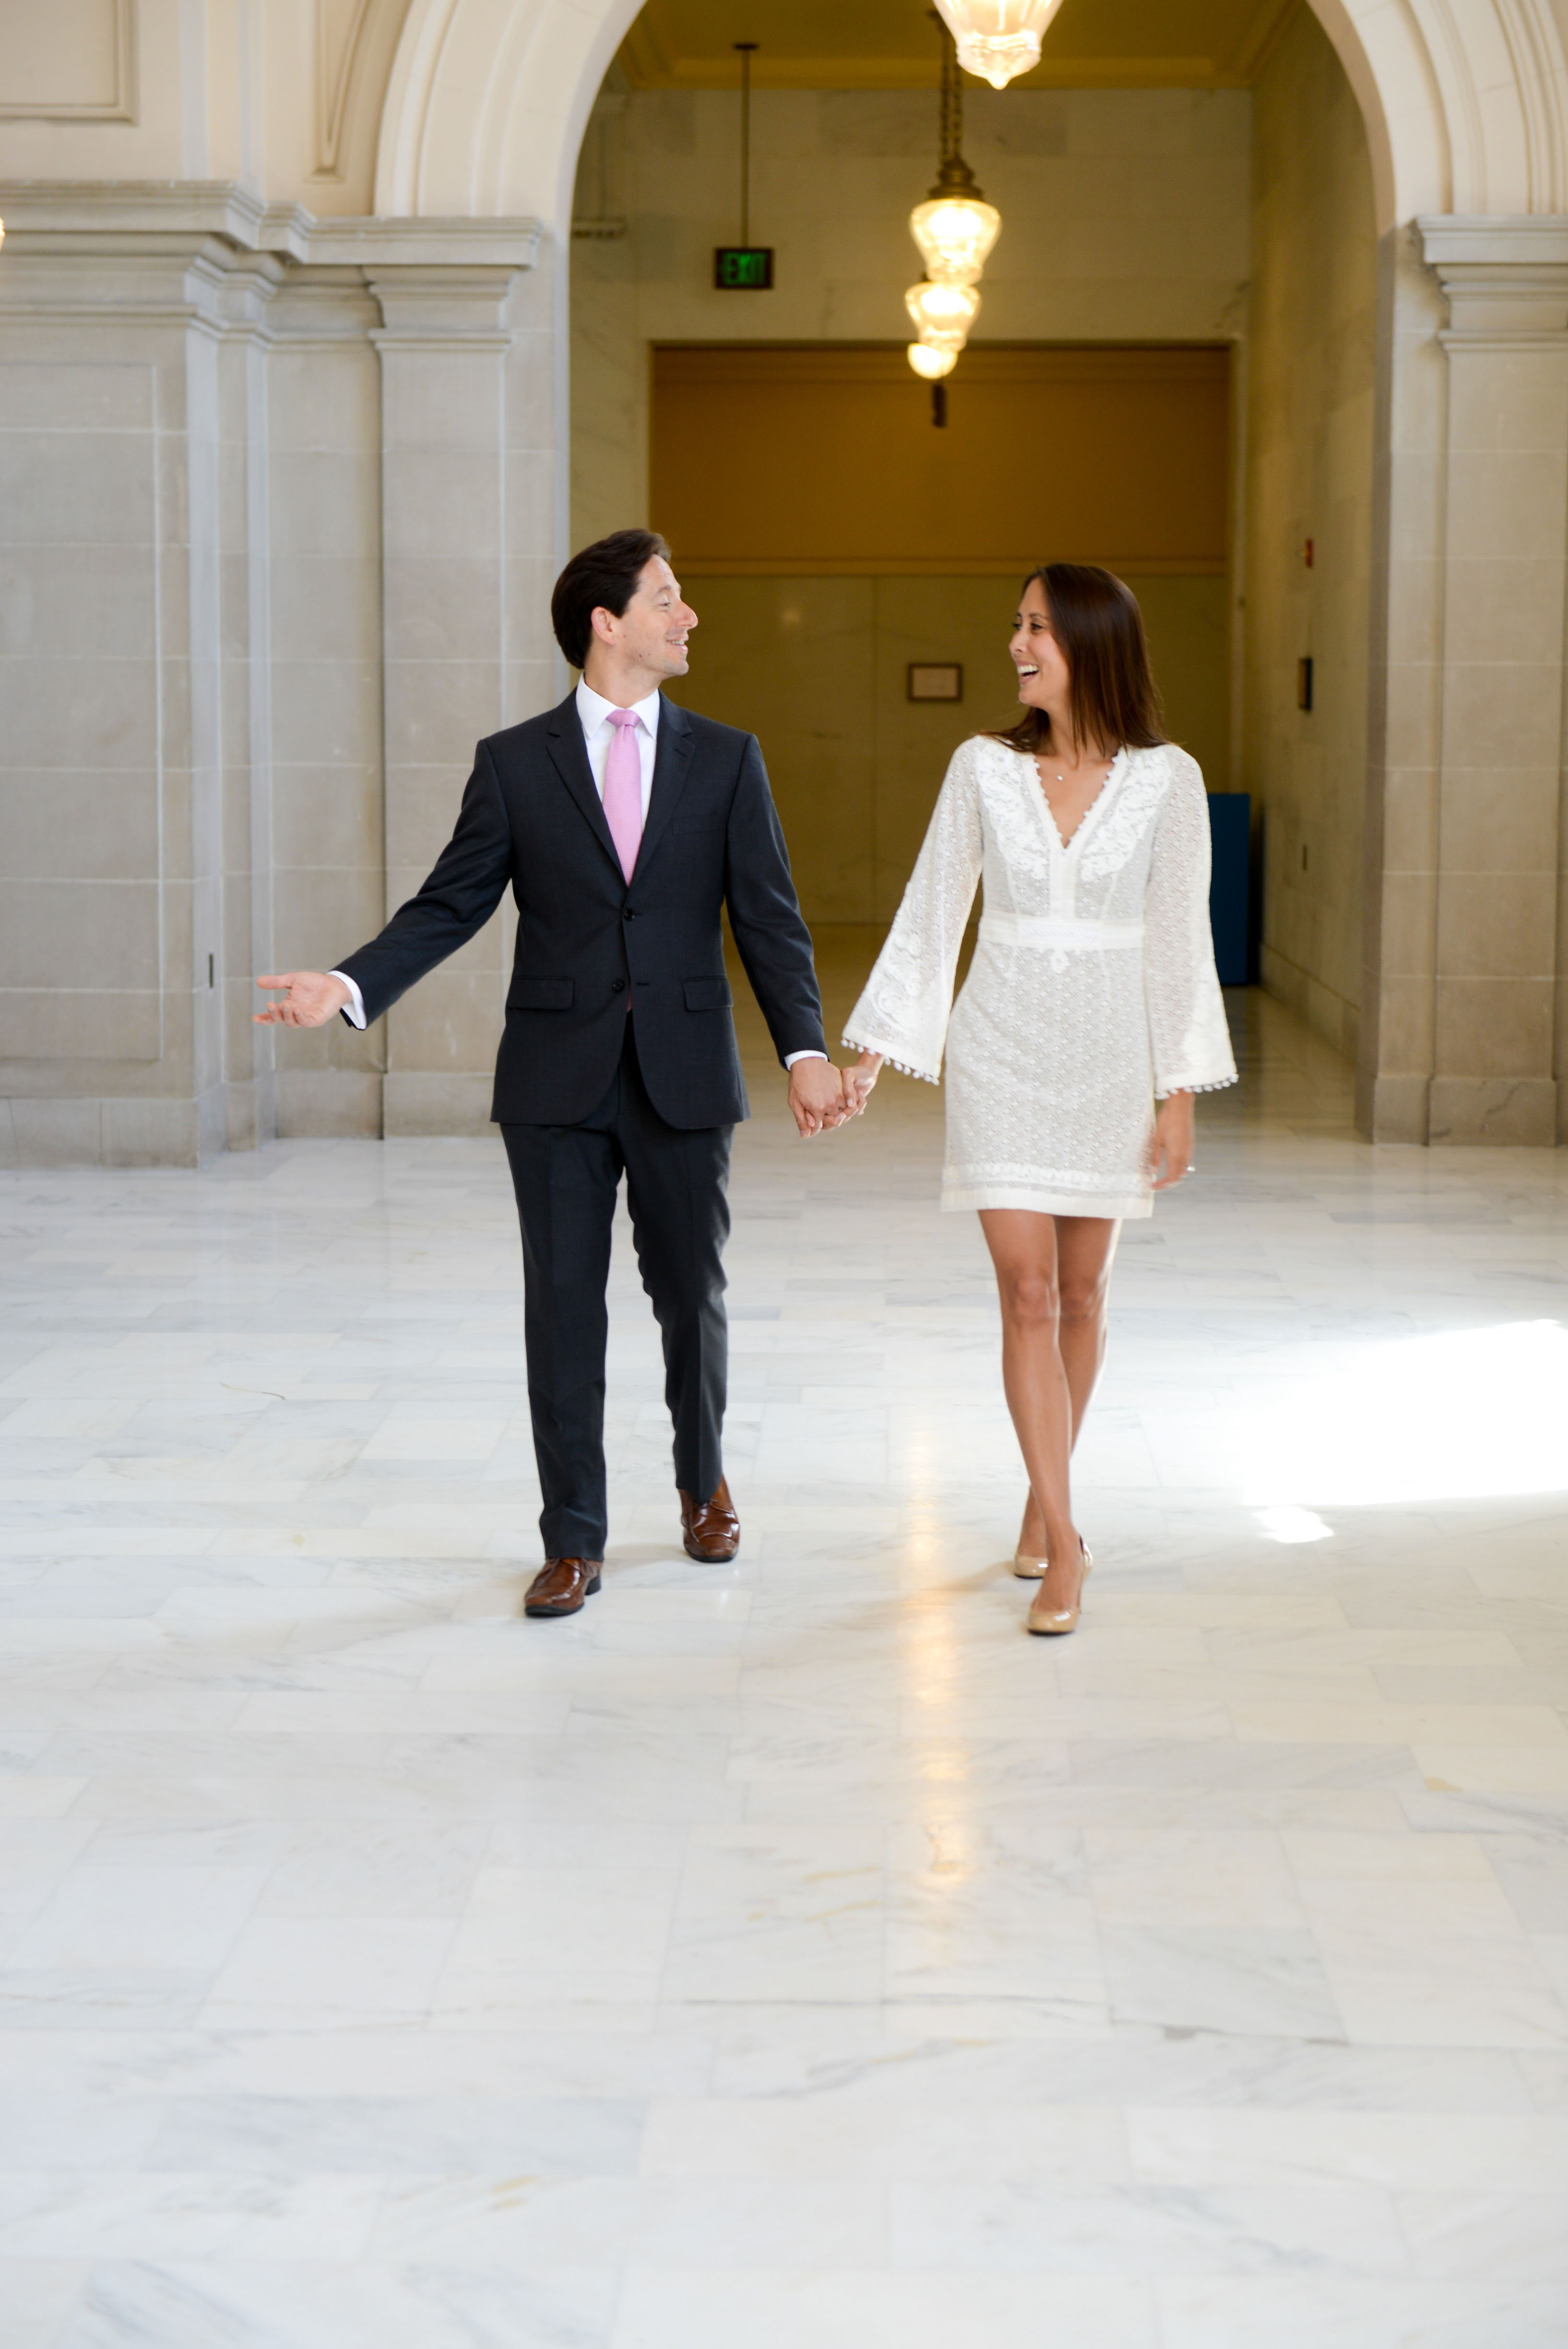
x: 1092, y: 990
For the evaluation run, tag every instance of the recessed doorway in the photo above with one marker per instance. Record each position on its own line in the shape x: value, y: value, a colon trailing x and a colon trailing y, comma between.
x: 830, y: 536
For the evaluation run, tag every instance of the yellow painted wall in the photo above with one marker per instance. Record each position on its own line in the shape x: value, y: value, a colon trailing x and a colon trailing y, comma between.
x: 816, y: 667
x: 1124, y: 217
x: 828, y: 534
x: 824, y: 456
x: 1309, y: 475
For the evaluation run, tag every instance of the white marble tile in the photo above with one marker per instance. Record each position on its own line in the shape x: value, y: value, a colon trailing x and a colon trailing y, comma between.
x: 850, y: 2136
x: 1523, y: 2152
x: 307, y: 1973
x: 569, y: 1936
x: 1075, y: 2226
x: 1298, y: 2313
x: 790, y: 1952
x: 168, y: 2215
x: 781, y: 2308
x: 39, y: 2295
x: 312, y: 2304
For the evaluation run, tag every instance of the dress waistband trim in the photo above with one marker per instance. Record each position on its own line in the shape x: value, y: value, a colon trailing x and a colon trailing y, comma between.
x: 1057, y: 934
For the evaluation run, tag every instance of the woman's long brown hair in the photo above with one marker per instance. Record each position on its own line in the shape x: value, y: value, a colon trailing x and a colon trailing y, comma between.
x: 1096, y: 622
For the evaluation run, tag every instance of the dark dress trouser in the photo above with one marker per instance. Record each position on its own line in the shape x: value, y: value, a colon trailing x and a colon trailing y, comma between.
x: 566, y: 1178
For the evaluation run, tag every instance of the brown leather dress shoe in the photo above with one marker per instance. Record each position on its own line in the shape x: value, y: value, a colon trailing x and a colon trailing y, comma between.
x: 561, y: 1585
x: 710, y: 1530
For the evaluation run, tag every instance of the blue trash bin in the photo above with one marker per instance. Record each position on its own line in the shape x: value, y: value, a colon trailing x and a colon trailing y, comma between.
x: 1229, y: 834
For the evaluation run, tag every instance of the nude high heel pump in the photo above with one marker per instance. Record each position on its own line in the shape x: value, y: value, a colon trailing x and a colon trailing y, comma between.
x: 1027, y: 1568
x: 1050, y: 1622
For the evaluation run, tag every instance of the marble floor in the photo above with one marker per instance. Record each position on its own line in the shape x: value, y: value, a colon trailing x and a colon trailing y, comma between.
x: 790, y: 1955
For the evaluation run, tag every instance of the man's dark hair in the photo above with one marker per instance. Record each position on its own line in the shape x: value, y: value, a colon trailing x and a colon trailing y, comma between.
x: 605, y: 573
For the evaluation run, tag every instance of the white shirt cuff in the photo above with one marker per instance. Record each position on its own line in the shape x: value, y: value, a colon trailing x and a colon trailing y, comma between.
x: 790, y: 1057
x: 354, y: 1009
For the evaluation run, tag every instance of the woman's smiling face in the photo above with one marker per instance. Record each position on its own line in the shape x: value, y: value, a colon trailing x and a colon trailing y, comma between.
x: 1042, y: 672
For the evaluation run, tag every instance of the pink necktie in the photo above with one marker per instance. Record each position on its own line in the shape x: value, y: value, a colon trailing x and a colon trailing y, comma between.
x: 623, y: 788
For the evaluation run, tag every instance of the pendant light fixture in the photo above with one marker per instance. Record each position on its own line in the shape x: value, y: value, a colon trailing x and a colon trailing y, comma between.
x: 998, y: 38
x: 955, y: 229
x: 944, y: 314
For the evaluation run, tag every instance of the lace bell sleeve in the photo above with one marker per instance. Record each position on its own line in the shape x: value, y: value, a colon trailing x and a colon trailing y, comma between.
x: 1188, y: 1038
x: 903, y: 1012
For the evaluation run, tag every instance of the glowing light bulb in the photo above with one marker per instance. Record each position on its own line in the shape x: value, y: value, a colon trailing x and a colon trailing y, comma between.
x: 997, y: 38
x: 944, y: 314
x: 955, y: 232
x: 929, y: 362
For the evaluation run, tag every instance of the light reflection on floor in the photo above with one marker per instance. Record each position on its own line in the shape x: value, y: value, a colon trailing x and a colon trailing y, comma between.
x: 795, y: 1955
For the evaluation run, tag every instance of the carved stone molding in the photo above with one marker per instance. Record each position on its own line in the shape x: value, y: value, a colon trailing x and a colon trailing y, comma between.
x: 340, y: 31
x: 103, y: 219
x: 119, y: 104
x: 1505, y: 279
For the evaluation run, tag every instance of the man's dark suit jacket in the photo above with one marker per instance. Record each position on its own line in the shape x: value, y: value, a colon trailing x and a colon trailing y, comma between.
x: 587, y: 940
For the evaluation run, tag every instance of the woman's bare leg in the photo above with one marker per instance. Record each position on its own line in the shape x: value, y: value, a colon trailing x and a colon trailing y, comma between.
x: 1085, y: 1250
x: 1024, y: 1254
x: 1054, y: 1275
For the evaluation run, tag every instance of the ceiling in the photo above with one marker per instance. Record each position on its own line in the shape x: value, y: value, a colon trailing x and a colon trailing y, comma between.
x: 893, y: 43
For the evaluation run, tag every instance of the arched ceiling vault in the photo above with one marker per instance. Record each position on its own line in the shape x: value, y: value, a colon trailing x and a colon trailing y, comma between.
x: 1465, y: 101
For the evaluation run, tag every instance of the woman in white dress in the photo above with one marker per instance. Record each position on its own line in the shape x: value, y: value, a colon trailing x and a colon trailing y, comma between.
x: 1092, y: 996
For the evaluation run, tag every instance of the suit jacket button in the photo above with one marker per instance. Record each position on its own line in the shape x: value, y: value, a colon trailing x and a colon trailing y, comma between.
x: 618, y: 984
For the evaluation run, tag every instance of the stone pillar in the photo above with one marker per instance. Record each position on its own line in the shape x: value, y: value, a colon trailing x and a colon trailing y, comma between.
x: 1496, y: 1057
x: 227, y: 577
x: 1463, y: 1036
x: 445, y: 344
x: 240, y: 600
x: 1394, y: 1071
x: 327, y: 868
x: 116, y: 510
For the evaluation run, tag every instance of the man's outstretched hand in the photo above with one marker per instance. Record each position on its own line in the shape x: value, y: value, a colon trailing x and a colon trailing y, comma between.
x: 310, y: 998
x: 816, y: 1097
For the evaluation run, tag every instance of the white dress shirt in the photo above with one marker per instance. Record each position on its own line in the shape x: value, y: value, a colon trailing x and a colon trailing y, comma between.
x: 594, y: 715
x: 593, y: 712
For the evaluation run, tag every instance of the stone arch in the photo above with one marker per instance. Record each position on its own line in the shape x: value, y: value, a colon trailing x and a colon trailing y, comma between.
x: 1466, y: 107
x: 487, y: 103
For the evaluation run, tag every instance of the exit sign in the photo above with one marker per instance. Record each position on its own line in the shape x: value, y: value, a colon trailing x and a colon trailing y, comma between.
x: 743, y: 268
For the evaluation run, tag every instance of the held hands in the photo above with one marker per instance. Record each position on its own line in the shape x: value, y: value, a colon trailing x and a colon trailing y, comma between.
x: 309, y: 1000
x: 1171, y: 1144
x: 858, y: 1081
x: 821, y: 1096
x: 816, y: 1097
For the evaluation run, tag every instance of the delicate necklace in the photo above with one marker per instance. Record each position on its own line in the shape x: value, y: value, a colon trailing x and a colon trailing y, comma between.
x: 1107, y: 763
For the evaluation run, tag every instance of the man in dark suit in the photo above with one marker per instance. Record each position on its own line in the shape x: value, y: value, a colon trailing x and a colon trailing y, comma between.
x: 623, y: 824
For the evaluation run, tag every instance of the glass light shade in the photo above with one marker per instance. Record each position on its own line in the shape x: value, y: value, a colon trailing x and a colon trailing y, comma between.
x: 997, y: 38
x: 931, y: 363
x: 955, y: 234
x: 944, y: 314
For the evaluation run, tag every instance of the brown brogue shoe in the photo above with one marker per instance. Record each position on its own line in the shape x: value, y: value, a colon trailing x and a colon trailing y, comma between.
x: 561, y: 1585
x: 710, y: 1530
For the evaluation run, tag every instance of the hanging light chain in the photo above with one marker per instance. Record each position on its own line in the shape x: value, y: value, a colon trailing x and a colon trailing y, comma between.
x: 746, y: 50
x: 955, y: 229
x: 952, y: 98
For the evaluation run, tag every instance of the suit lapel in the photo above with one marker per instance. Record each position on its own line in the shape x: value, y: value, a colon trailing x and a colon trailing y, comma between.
x: 570, y: 754
x: 671, y: 760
